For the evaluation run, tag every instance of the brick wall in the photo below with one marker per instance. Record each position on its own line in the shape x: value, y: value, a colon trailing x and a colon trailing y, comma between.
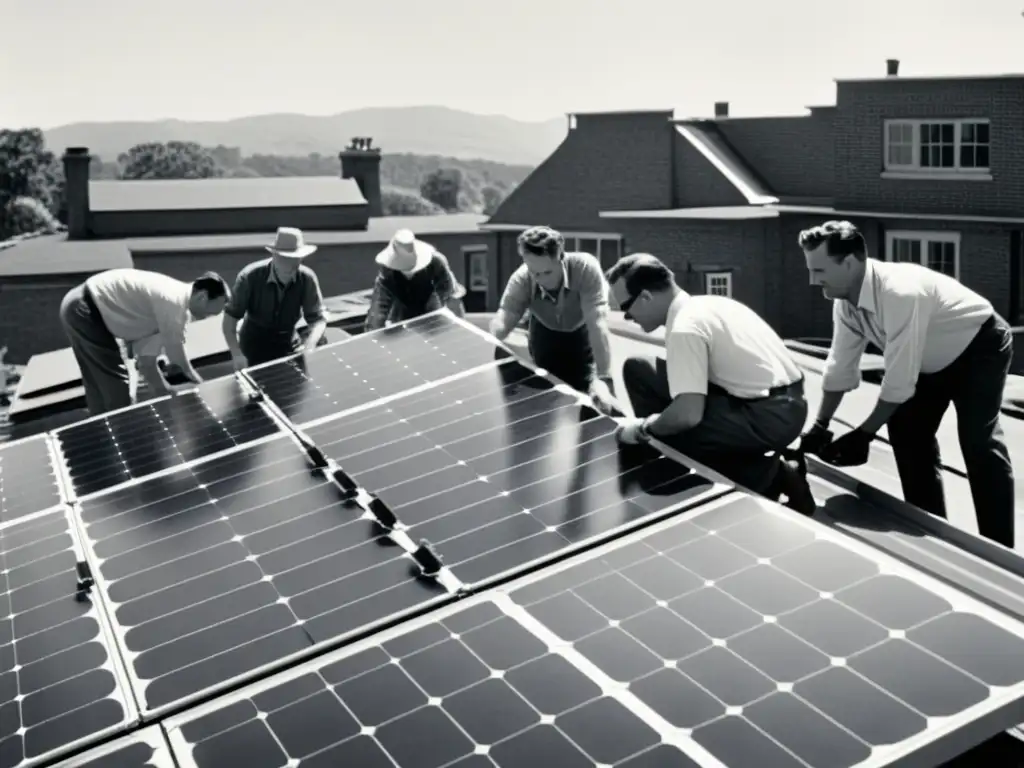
x: 29, y: 315
x: 859, y: 144
x: 225, y: 221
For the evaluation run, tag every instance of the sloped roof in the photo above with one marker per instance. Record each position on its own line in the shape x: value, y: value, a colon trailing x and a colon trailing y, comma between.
x: 220, y: 194
x: 706, y: 139
x: 56, y: 255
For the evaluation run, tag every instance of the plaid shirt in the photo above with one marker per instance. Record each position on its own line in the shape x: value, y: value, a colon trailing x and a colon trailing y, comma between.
x: 398, y: 297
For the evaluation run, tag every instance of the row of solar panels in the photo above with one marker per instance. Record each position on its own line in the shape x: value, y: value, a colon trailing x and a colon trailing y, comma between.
x: 215, y: 537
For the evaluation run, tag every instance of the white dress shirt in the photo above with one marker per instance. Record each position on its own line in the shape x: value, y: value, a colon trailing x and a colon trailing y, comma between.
x: 921, y: 319
x: 146, y: 309
x: 722, y: 341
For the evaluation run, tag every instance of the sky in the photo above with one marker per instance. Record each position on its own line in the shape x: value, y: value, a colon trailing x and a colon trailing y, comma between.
x: 63, y: 61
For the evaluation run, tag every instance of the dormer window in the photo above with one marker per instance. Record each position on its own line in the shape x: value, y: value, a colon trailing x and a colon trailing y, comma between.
x: 935, y: 148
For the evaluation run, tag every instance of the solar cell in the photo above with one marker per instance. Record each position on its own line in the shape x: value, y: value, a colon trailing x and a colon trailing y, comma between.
x: 145, y: 748
x: 107, y: 451
x: 28, y: 482
x: 238, y: 563
x: 502, y: 469
x: 383, y: 363
x: 738, y: 635
x: 60, y: 683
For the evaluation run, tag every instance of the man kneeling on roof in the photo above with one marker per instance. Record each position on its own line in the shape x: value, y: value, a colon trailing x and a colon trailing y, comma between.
x: 728, y: 393
x: 269, y: 298
x: 413, y: 279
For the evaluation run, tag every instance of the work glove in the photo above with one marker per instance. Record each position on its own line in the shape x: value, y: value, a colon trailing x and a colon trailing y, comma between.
x: 816, y: 439
x: 631, y: 432
x: 850, y: 450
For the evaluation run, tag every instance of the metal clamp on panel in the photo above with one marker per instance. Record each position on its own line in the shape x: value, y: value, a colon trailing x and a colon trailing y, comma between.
x: 382, y: 514
x: 256, y: 397
x: 428, y: 559
x: 349, y: 487
x: 85, y: 581
x: 317, y: 456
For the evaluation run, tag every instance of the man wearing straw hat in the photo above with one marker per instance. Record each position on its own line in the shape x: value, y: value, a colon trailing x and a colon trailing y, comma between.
x: 414, y: 279
x: 270, y: 296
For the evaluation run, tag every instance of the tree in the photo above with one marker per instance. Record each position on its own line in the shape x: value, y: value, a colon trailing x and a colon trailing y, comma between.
x: 442, y: 187
x: 28, y: 171
x: 173, y: 160
x: 492, y: 199
x: 396, y: 202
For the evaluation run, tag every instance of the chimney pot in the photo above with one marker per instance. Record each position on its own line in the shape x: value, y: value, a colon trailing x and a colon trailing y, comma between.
x: 76, y: 191
x: 360, y: 160
x: 892, y: 67
x: 721, y: 109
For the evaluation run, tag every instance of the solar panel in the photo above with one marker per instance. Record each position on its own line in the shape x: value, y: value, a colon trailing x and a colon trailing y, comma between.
x: 28, y: 482
x: 236, y: 564
x: 107, y: 451
x: 503, y: 469
x: 145, y: 748
x: 383, y: 363
x: 737, y: 635
x: 60, y: 683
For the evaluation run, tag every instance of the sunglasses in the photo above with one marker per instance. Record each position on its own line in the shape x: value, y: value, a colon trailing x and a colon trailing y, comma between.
x: 626, y: 305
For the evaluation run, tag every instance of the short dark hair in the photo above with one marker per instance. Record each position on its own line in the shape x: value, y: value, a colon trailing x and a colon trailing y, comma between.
x: 214, y: 285
x: 841, y: 239
x: 542, y: 241
x: 642, y: 272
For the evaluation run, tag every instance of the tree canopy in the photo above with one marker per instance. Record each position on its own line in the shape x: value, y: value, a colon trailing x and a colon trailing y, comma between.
x: 28, y: 172
x: 173, y: 160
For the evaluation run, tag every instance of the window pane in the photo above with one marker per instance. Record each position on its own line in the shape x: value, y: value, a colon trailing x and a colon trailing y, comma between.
x: 982, y: 133
x: 967, y: 156
x: 948, y: 156
x: 588, y: 245
x: 609, y: 253
x: 948, y: 133
x: 967, y: 132
x: 981, y: 157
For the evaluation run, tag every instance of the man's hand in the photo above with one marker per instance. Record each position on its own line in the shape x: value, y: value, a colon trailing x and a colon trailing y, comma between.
x: 238, y: 361
x: 631, y: 432
x: 816, y: 439
x: 850, y: 450
x: 603, y: 398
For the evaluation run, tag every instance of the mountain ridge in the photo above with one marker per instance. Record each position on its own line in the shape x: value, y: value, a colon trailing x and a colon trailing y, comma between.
x: 421, y: 130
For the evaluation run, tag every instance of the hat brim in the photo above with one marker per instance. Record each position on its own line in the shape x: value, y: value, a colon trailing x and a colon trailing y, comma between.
x: 391, y: 259
x: 301, y: 253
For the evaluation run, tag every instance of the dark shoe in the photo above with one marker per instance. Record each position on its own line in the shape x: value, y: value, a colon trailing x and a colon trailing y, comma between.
x: 792, y: 483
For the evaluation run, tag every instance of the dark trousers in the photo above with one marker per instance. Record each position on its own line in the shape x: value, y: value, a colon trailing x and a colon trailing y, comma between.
x: 567, y: 355
x: 104, y: 374
x: 735, y: 435
x: 974, y: 384
x: 261, y: 345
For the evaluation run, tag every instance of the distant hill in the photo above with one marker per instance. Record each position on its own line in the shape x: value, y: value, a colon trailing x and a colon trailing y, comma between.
x: 416, y: 130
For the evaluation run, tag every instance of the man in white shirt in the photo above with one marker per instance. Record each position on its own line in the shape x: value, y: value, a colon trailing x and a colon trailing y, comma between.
x: 149, y: 312
x: 942, y: 343
x: 728, y: 393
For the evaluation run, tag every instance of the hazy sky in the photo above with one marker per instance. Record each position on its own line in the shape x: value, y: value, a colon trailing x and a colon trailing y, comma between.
x: 65, y: 61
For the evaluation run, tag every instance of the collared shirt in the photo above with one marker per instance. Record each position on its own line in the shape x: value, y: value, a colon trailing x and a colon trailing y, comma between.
x: 146, y: 309
x: 583, y: 297
x: 399, y: 297
x: 722, y: 341
x: 266, y: 303
x: 921, y: 319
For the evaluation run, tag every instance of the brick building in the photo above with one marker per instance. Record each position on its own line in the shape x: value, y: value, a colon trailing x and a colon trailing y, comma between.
x: 931, y: 168
x: 182, y: 228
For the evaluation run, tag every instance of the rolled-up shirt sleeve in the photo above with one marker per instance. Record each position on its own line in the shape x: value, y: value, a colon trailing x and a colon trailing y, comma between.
x: 381, y: 302
x: 906, y: 328
x: 312, y: 300
x: 239, y: 301
x: 445, y: 285
x: 516, y: 298
x: 593, y: 291
x: 686, y: 358
x: 842, y: 366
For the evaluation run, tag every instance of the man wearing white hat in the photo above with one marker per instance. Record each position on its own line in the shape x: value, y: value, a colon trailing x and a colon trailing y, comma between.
x: 414, y: 279
x: 270, y: 296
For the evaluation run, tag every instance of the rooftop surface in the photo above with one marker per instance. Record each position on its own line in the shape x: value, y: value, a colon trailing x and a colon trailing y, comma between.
x: 110, y: 196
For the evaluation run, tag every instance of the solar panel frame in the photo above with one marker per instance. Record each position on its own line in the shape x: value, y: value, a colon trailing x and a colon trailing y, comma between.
x: 572, y: 399
x: 122, y: 693
x: 441, y: 590
x: 113, y: 753
x: 60, y: 490
x: 502, y: 354
x: 950, y: 737
x: 173, y: 456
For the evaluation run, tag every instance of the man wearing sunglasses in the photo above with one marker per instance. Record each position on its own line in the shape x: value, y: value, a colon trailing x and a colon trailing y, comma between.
x: 728, y: 393
x: 567, y: 296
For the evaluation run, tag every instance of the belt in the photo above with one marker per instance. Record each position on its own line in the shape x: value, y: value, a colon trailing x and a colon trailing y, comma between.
x: 783, y: 389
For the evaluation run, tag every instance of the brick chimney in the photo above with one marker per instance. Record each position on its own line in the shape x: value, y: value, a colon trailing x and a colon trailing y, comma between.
x: 76, y: 174
x: 721, y: 109
x: 360, y: 160
x: 892, y: 67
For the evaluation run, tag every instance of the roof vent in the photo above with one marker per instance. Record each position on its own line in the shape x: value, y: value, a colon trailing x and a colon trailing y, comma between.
x: 892, y: 67
x: 721, y: 109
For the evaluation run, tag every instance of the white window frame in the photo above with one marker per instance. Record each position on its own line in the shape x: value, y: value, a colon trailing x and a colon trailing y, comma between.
x: 925, y: 237
x: 476, y: 263
x: 710, y: 277
x: 572, y: 241
x: 914, y: 169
